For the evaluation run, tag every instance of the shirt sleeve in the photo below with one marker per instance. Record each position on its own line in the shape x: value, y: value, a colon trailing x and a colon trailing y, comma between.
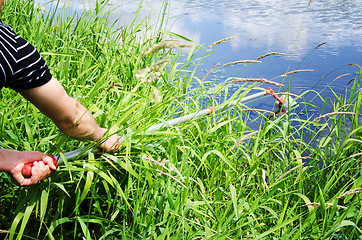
x: 21, y: 64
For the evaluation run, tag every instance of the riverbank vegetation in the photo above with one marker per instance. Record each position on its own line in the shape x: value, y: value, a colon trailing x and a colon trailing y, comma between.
x: 209, y: 178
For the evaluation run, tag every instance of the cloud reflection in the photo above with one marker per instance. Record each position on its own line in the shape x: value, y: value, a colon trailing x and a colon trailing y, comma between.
x: 278, y: 25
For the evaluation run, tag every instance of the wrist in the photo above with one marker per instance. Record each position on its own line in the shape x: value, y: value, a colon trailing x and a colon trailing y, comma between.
x: 100, y: 134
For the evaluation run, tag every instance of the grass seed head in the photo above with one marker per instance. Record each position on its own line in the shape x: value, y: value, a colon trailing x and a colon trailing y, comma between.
x: 147, y: 75
x: 170, y: 168
x: 332, y: 114
x: 241, y: 61
x: 244, y: 138
x: 220, y: 41
x: 297, y: 71
x: 318, y: 204
x: 353, y: 64
x: 269, y: 54
x: 288, y: 172
x: 261, y: 80
x: 319, y: 45
x: 351, y: 192
x: 156, y: 95
x: 165, y: 44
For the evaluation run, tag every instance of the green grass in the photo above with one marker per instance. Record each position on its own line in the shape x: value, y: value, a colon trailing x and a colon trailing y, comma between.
x: 236, y: 187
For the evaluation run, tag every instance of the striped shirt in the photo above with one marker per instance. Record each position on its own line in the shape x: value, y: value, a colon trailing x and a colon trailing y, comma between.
x: 21, y: 66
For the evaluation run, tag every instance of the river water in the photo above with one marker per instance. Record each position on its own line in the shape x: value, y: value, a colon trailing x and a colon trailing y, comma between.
x: 263, y: 26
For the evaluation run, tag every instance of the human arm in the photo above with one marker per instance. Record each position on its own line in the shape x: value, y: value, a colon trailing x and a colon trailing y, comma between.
x: 68, y: 114
x: 13, y: 162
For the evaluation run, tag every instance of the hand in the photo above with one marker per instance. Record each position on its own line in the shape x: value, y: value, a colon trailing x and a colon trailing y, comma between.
x: 14, y: 161
x: 110, y: 144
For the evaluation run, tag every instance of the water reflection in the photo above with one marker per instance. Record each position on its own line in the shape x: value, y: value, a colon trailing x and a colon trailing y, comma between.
x: 262, y: 26
x: 273, y: 23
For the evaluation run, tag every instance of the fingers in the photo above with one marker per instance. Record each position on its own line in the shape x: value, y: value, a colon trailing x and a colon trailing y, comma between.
x: 40, y: 168
x: 111, y: 144
x: 39, y: 172
x: 49, y: 161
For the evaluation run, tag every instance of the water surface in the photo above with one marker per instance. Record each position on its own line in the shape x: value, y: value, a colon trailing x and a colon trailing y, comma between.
x: 262, y: 26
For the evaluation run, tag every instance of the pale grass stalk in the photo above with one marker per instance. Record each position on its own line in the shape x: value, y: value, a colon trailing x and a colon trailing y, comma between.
x: 318, y: 204
x: 261, y: 80
x: 297, y: 71
x: 241, y: 61
x: 244, y: 138
x: 196, y: 223
x: 332, y: 114
x: 212, y: 69
x: 355, y: 155
x: 302, y: 158
x: 220, y: 41
x: 165, y: 44
x: 156, y: 95
x: 269, y: 54
x: 256, y: 110
x: 156, y: 66
x: 345, y: 106
x: 149, y: 74
x: 350, y: 192
x: 171, y: 168
x: 285, y: 174
x: 155, y: 162
x: 289, y: 94
x: 341, y: 76
x: 80, y: 178
x: 172, y: 177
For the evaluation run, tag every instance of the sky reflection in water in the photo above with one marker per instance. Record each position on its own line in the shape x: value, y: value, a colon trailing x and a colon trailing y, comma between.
x: 262, y: 26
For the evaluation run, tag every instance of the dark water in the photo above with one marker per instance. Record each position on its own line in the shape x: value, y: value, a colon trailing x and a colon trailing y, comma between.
x: 263, y: 26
